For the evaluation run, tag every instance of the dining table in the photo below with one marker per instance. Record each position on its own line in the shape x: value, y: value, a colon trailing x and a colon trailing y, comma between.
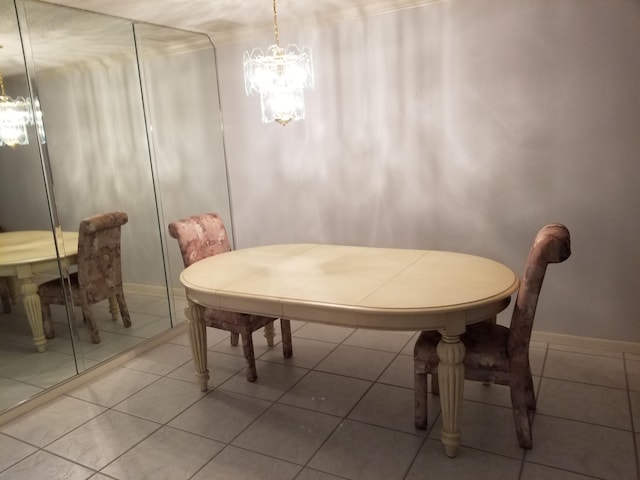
x: 394, y: 289
x: 28, y: 253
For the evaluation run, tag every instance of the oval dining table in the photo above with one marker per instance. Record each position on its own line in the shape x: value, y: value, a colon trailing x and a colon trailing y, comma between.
x: 26, y: 253
x: 358, y: 287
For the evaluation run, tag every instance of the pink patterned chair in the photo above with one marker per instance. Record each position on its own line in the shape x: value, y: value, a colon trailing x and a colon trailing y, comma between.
x: 495, y: 353
x: 203, y: 236
x: 5, y: 291
x: 99, y: 275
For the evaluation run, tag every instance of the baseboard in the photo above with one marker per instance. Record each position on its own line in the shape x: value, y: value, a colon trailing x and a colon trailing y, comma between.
x: 586, y: 342
x: 90, y: 374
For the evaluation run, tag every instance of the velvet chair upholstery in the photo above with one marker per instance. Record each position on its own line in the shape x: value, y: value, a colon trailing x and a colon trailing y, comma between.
x: 99, y: 275
x: 202, y: 236
x: 495, y: 353
x: 5, y: 291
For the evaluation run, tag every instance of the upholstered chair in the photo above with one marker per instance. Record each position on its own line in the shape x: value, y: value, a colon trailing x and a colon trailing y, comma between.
x: 495, y: 353
x: 5, y: 291
x: 202, y: 236
x: 99, y: 275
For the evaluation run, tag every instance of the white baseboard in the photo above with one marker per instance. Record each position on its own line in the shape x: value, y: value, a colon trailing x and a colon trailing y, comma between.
x: 586, y: 342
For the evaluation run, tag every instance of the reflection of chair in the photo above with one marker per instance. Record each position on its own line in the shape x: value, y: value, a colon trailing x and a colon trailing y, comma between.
x: 495, y: 353
x: 5, y: 292
x: 203, y: 236
x: 99, y: 275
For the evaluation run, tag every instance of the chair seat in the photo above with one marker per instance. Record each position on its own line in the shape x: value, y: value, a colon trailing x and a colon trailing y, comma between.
x: 223, y: 318
x: 51, y: 289
x: 485, y: 344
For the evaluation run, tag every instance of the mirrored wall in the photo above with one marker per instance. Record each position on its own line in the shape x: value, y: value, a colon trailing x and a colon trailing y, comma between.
x: 128, y: 120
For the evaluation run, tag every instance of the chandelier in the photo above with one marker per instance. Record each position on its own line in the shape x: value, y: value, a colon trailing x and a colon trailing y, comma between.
x: 279, y: 76
x: 15, y: 115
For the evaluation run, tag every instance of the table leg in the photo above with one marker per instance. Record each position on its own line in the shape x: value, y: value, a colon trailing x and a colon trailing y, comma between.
x: 198, y: 340
x: 31, y: 302
x: 451, y: 382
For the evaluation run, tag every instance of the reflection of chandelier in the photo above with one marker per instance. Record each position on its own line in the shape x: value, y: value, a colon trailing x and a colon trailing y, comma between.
x: 15, y: 115
x: 280, y: 77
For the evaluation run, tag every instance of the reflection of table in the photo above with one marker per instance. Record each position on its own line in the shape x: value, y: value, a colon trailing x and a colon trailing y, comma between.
x: 26, y: 253
x: 378, y: 288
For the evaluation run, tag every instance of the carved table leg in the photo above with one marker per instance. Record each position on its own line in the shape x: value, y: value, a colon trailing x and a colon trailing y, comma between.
x: 451, y: 381
x: 31, y: 302
x: 198, y: 340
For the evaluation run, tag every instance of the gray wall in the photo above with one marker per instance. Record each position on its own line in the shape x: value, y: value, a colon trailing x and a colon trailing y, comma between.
x: 464, y: 125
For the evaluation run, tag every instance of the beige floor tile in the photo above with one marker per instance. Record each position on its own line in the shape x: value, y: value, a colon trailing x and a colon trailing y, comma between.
x: 470, y: 464
x: 588, y: 351
x: 306, y: 353
x: 356, y: 362
x: 537, y: 358
x: 168, y: 454
x: 327, y: 393
x: 634, y: 400
x: 161, y: 360
x: 13, y: 451
x: 309, y: 474
x: 584, y: 448
x: 221, y: 368
x: 399, y: 372
x: 103, y: 439
x: 238, y: 464
x: 359, y: 451
x: 579, y: 367
x: 392, y: 407
x: 220, y: 415
x: 44, y: 465
x: 161, y: 401
x: 379, y: 340
x: 288, y: 433
x: 13, y: 392
x: 214, y: 336
x: 532, y: 471
x: 486, y: 427
x: 633, y: 375
x: 587, y: 403
x: 114, y: 386
x: 50, y: 422
x: 324, y: 333
x: 273, y: 381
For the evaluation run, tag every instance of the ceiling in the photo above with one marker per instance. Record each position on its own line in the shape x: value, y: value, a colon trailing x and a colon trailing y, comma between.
x: 55, y: 38
x: 224, y: 19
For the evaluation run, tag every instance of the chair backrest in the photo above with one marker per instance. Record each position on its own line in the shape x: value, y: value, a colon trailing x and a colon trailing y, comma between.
x: 200, y: 236
x: 552, y: 245
x: 99, y: 259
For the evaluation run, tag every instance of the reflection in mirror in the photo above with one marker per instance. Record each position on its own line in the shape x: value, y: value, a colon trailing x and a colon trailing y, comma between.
x: 27, y: 248
x: 127, y: 128
x: 100, y: 163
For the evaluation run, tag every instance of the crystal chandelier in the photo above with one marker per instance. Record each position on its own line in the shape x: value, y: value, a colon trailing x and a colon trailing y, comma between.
x: 280, y: 77
x: 15, y: 115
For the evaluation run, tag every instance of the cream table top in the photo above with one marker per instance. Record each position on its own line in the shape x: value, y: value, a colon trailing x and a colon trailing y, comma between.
x: 362, y: 287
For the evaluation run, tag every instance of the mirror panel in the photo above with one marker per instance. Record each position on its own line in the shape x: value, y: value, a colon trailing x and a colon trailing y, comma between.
x: 132, y: 122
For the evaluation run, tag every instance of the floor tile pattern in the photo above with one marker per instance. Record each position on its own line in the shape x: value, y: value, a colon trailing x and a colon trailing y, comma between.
x: 340, y: 408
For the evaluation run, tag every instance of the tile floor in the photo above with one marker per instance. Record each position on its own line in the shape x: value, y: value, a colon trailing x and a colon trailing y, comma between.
x: 342, y: 407
x: 24, y: 372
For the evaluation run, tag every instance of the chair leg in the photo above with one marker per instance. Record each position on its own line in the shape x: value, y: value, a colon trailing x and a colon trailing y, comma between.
x: 124, y: 310
x: 46, y: 320
x: 435, y: 386
x: 421, y: 395
x: 287, y: 345
x: 520, y: 399
x: 113, y: 308
x: 89, y: 319
x: 234, y: 339
x: 269, y: 333
x: 247, y: 347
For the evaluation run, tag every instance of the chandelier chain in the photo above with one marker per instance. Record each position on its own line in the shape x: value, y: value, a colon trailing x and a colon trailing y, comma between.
x: 275, y: 24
